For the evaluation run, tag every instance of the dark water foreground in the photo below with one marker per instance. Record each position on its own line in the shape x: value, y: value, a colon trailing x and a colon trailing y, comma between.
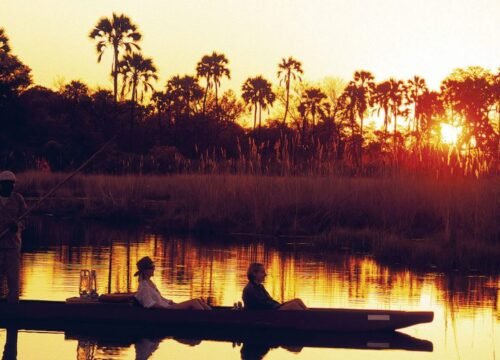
x: 467, y: 315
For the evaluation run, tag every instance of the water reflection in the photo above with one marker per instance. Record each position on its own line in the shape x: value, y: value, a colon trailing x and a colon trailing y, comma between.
x: 252, y: 346
x: 10, y: 347
x: 466, y: 307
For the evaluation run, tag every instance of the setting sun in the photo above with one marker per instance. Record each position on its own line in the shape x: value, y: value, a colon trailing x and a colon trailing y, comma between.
x: 450, y: 133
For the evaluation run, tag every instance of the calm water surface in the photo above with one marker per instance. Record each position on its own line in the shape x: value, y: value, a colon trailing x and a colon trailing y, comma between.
x: 467, y: 315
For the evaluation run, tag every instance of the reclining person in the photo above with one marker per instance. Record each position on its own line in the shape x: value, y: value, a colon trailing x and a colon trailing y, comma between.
x: 256, y: 297
x: 149, y: 296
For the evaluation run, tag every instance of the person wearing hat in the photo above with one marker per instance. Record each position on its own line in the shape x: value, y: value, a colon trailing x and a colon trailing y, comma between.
x: 149, y: 296
x: 12, y: 206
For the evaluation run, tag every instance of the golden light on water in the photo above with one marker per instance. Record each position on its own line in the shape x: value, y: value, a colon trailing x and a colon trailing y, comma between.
x: 187, y: 269
x: 450, y: 133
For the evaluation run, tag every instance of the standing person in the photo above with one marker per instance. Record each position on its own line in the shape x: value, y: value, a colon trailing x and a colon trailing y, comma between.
x: 256, y: 297
x: 149, y: 296
x: 12, y: 206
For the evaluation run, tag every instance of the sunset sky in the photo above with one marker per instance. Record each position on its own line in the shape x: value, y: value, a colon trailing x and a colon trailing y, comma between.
x: 398, y: 38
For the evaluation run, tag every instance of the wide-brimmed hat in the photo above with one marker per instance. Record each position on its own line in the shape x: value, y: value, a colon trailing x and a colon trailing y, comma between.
x: 144, y: 264
x: 7, y: 176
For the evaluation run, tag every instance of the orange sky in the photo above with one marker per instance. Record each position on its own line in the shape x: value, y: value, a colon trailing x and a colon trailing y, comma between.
x: 331, y: 37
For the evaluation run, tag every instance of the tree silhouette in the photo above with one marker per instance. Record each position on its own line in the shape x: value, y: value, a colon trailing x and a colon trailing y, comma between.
x: 289, y: 69
x: 118, y: 33
x: 469, y: 94
x: 137, y: 73
x: 416, y: 87
x: 76, y: 91
x: 213, y: 68
x: 430, y: 109
x: 363, y: 81
x: 14, y: 75
x: 360, y: 91
x: 231, y: 107
x: 313, y: 102
x: 4, y: 42
x: 258, y: 93
x: 160, y: 102
x: 183, y: 91
x: 396, y: 95
x: 382, y: 101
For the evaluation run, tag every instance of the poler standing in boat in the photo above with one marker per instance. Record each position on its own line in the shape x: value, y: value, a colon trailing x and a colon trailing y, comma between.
x: 12, y: 206
x: 256, y: 297
x: 149, y: 296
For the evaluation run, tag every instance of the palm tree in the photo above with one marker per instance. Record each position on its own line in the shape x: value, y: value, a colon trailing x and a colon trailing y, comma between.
x: 4, y: 42
x: 360, y: 92
x: 382, y: 101
x: 161, y: 104
x: 137, y: 72
x: 258, y: 93
x: 212, y: 68
x: 396, y: 92
x: 119, y: 33
x: 287, y: 70
x: 416, y: 87
x: 430, y: 108
x: 184, y: 90
x: 76, y: 91
x: 363, y: 81
x: 313, y: 102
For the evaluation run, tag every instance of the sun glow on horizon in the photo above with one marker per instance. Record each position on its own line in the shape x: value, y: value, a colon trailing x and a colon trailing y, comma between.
x: 450, y: 133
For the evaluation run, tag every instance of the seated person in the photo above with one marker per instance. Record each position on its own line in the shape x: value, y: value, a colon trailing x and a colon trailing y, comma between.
x: 149, y: 296
x: 255, y: 296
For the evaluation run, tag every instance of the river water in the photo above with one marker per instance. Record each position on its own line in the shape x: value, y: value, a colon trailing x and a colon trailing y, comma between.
x: 466, y: 308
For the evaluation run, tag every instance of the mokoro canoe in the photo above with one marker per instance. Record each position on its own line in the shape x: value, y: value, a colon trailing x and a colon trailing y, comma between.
x: 315, y: 319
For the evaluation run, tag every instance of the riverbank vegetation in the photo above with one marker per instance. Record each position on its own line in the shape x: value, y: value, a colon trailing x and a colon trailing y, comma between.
x: 446, y: 224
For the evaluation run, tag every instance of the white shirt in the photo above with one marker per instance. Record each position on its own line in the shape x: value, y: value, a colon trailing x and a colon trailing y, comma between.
x: 149, y: 296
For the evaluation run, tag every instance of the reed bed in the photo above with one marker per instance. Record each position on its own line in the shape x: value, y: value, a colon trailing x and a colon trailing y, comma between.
x: 446, y: 223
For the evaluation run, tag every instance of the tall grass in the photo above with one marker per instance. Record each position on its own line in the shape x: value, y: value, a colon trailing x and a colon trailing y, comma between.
x: 415, y: 212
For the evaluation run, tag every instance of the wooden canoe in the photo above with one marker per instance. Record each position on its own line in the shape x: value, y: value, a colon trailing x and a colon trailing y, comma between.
x: 314, y: 319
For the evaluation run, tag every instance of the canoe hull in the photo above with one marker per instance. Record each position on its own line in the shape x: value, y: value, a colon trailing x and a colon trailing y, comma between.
x: 331, y: 320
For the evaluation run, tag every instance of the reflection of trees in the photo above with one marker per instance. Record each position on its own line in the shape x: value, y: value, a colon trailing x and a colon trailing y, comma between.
x: 187, y: 268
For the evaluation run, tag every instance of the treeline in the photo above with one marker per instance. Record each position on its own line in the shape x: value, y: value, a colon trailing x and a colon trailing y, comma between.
x: 189, y: 125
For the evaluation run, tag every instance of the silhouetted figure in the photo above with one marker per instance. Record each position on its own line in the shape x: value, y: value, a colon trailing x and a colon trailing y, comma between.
x: 12, y: 206
x: 256, y: 297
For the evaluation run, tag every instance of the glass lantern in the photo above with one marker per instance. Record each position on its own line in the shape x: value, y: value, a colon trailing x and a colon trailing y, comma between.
x: 84, y: 288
